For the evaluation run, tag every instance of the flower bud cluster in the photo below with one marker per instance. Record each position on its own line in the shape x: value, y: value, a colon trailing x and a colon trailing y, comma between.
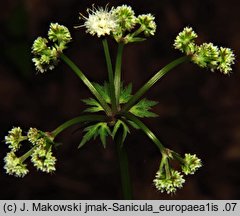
x: 207, y: 55
x: 169, y: 180
x: 40, y: 152
x: 119, y: 22
x: 46, y: 57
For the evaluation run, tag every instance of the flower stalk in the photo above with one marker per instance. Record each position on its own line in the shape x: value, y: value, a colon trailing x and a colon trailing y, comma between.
x: 117, y: 77
x: 77, y: 120
x: 124, y: 169
x: 90, y: 86
x: 147, y: 131
x: 110, y: 75
x: 152, y: 81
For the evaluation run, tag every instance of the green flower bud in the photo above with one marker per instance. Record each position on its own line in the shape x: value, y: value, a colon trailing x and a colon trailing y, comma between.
x: 125, y: 18
x: 39, y: 45
x: 41, y: 142
x: 42, y: 64
x: 59, y: 33
x: 206, y: 55
x: 226, y: 59
x: 45, y: 59
x: 147, y: 23
x: 33, y: 135
x: 43, y: 160
x: 185, y: 41
x: 191, y: 164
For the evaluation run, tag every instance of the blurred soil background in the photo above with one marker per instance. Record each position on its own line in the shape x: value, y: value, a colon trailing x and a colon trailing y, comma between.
x: 199, y: 111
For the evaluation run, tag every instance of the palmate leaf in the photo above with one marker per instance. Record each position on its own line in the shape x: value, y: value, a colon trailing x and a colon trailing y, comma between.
x: 104, y: 91
x: 124, y: 127
x: 93, y: 131
x: 141, y: 109
x: 104, y: 131
x: 125, y: 94
x: 95, y: 106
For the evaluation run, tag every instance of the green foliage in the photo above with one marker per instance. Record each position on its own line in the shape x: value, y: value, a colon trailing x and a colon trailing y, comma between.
x: 125, y: 93
x: 103, y: 91
x: 141, y: 109
x: 102, y: 130
x: 95, y: 106
x: 133, y: 124
x: 93, y: 131
x: 125, y: 128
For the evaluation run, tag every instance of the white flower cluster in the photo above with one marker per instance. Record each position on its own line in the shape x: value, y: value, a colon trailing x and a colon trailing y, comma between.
x: 99, y: 21
x: 119, y: 22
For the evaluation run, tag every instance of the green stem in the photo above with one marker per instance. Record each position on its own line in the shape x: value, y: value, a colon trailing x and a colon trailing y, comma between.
x: 137, y: 32
x: 163, y: 161
x: 146, y: 130
x: 152, y: 81
x: 124, y: 170
x: 177, y: 157
x: 110, y: 75
x: 27, y: 154
x: 117, y: 78
x: 77, y: 120
x: 167, y: 169
x: 90, y: 86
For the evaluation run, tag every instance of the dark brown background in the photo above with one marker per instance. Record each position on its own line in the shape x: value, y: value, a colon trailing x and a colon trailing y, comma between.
x: 198, y: 110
